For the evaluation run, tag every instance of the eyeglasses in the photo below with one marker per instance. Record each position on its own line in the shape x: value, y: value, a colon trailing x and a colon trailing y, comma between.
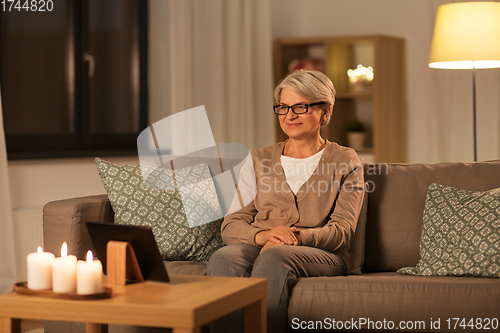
x: 297, y: 108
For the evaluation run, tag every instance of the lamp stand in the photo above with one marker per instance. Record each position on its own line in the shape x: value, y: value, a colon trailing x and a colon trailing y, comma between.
x: 474, y: 109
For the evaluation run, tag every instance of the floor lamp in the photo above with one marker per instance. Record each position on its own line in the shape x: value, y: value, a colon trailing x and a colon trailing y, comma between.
x: 467, y: 36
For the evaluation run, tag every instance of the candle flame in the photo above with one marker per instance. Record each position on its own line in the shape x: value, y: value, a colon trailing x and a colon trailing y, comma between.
x: 40, y: 251
x: 90, y: 257
x: 64, y: 250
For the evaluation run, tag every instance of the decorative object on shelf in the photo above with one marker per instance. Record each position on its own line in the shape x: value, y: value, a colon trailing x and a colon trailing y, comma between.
x: 466, y: 36
x: 360, y: 79
x: 316, y: 64
x: 356, y: 134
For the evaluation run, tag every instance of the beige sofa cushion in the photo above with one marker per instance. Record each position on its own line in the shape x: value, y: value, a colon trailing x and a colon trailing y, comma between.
x: 185, y: 268
x: 394, y: 297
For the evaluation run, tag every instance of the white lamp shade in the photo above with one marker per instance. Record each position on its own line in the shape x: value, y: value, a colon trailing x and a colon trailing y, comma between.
x: 466, y: 35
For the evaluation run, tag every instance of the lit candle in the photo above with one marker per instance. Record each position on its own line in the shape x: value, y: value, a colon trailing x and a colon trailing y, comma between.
x: 64, y: 272
x: 89, y: 276
x: 40, y: 270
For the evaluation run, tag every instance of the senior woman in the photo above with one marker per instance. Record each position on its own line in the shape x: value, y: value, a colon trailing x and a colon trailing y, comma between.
x: 309, y: 195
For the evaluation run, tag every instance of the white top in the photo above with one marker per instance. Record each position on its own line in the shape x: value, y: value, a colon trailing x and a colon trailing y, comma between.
x: 298, y: 170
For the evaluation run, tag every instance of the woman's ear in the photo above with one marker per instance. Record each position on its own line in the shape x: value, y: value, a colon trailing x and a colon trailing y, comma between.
x: 326, y: 112
x: 323, y: 117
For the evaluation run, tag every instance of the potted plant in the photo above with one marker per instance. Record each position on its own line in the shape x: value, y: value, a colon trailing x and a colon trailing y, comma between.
x: 356, y: 134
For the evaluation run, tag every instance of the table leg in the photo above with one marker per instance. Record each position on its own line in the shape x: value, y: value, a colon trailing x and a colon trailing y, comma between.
x: 96, y: 328
x: 255, y: 317
x: 10, y: 325
x: 187, y: 330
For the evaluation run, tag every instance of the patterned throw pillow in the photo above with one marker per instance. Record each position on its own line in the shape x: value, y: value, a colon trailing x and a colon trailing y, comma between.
x: 460, y: 235
x: 163, y: 210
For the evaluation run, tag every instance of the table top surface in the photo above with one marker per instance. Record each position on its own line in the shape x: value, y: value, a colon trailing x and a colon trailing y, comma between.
x: 186, y: 301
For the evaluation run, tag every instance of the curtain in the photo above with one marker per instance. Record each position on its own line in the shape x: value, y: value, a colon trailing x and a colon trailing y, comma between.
x: 7, y: 262
x: 215, y: 53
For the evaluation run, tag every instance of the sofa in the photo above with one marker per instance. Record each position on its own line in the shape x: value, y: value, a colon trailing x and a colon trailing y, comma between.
x: 379, y: 298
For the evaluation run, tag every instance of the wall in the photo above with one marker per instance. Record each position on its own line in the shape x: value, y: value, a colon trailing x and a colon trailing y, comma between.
x: 36, y: 182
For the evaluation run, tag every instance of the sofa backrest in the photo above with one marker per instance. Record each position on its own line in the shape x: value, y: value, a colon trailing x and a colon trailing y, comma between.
x: 397, y: 195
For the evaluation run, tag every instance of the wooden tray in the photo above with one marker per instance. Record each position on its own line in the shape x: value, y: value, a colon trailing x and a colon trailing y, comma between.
x: 22, y: 288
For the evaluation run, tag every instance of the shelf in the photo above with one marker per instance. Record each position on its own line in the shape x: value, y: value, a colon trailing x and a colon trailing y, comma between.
x: 344, y: 95
x: 365, y: 151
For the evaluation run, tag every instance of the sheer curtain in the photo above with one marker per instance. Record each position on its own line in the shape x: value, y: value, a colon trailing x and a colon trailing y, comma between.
x: 215, y: 53
x: 7, y: 262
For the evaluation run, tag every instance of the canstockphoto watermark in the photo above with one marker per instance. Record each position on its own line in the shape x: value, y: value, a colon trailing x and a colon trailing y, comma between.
x: 356, y: 324
x: 270, y: 185
x: 323, y: 169
x: 435, y: 324
x: 332, y: 176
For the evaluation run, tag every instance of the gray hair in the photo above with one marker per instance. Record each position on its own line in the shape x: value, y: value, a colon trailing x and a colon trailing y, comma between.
x: 312, y: 85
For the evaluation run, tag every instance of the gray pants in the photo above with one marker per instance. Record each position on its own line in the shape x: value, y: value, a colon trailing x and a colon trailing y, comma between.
x: 281, y: 265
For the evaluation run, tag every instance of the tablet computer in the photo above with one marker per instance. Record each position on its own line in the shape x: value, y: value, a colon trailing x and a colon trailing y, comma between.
x: 142, y: 240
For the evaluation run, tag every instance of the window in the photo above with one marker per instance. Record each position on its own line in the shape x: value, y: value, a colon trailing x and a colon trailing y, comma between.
x: 73, y: 79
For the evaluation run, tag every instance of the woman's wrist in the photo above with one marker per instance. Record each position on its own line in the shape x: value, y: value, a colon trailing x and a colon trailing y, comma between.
x: 264, y: 236
x: 261, y: 238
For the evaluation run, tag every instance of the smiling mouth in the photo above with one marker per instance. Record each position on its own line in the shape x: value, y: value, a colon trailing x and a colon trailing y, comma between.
x: 293, y: 124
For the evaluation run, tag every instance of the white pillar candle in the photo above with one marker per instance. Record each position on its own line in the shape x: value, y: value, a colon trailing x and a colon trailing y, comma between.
x: 64, y: 272
x: 40, y: 270
x: 88, y: 276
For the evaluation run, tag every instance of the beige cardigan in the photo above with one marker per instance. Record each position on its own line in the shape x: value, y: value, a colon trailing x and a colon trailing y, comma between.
x: 325, y: 210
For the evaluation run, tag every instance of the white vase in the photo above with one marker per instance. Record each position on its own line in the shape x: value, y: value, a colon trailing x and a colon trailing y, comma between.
x: 356, y: 140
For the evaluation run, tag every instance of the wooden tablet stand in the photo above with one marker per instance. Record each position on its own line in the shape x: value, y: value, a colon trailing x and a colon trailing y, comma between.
x: 122, y: 264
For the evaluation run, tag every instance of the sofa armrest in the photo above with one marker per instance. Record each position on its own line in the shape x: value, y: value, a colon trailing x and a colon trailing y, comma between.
x: 64, y: 221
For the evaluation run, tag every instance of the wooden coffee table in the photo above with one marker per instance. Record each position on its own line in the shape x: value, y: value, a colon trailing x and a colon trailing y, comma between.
x: 184, y: 304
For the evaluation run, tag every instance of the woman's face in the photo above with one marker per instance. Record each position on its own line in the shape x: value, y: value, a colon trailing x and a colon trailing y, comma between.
x: 299, y: 126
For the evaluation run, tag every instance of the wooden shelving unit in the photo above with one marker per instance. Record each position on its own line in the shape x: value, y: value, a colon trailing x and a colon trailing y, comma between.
x: 383, y: 110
